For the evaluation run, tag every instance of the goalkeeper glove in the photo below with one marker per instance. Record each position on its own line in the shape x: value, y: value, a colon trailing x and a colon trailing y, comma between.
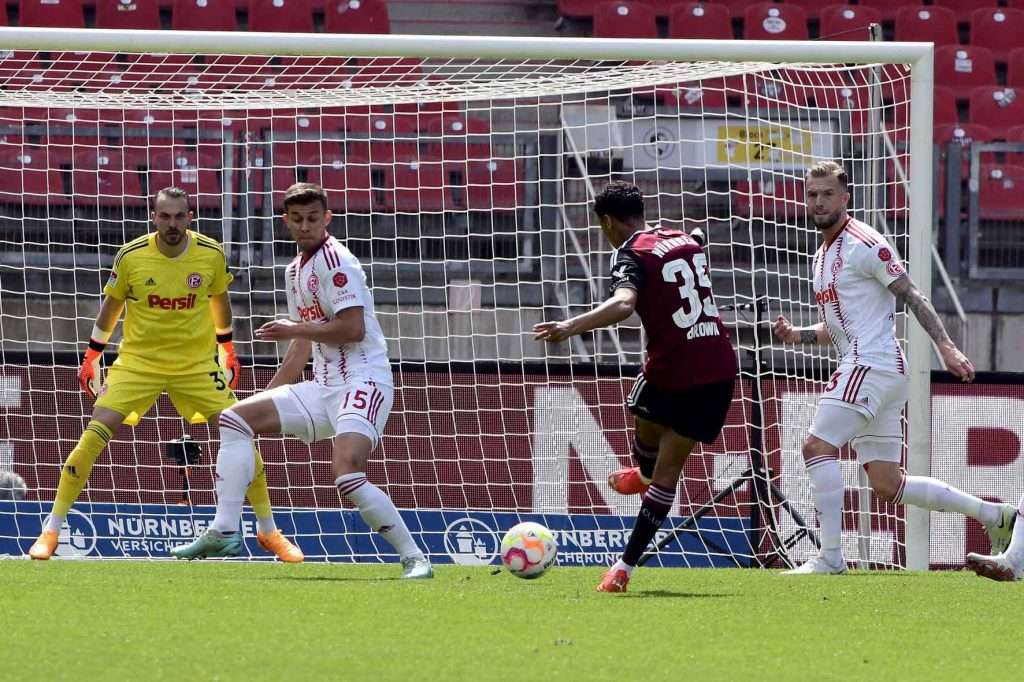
x: 228, y: 360
x: 90, y: 375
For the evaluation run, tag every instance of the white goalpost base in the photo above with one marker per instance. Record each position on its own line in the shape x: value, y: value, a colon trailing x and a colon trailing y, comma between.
x: 461, y: 171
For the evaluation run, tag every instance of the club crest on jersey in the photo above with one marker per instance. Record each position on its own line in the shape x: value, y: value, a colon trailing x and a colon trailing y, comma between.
x: 884, y: 255
x: 313, y: 283
x: 113, y: 279
x: 895, y: 269
x: 837, y: 265
x: 830, y: 295
x: 340, y: 279
x: 194, y: 281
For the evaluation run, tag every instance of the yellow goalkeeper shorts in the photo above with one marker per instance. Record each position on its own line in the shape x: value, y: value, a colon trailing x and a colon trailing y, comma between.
x: 195, y: 395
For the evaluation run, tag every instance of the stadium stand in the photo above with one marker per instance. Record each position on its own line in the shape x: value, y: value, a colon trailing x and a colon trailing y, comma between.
x: 139, y: 15
x: 770, y: 21
x: 927, y: 24
x: 203, y: 15
x: 356, y: 16
x: 847, y: 22
x: 700, y: 21
x: 625, y: 20
x: 964, y: 66
x: 289, y: 16
x: 52, y: 13
x: 997, y: 107
x: 998, y: 29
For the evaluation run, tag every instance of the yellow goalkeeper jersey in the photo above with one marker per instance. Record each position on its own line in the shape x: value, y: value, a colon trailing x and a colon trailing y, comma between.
x: 168, y: 326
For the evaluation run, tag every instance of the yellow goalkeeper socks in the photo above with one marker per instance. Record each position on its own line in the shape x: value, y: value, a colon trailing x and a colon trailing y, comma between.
x: 259, y: 497
x: 76, y: 469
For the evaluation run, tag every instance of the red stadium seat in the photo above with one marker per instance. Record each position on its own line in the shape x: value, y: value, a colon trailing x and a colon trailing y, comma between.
x: 963, y: 8
x: 52, y: 13
x: 1015, y: 68
x: 1014, y: 134
x: 812, y: 8
x: 888, y: 8
x: 356, y: 16
x: 420, y: 187
x: 963, y: 134
x: 196, y: 172
x: 139, y: 15
x: 457, y: 137
x: 103, y: 177
x: 927, y: 24
x: 847, y: 22
x: 1000, y: 195
x: 359, y: 187
x: 997, y: 28
x: 851, y: 101
x: 964, y: 66
x: 700, y: 96
x: 769, y: 198
x: 997, y: 107
x: 493, y: 184
x: 700, y: 21
x: 577, y: 9
x: 203, y: 15
x: 289, y: 16
x: 771, y: 21
x: 29, y: 176
x: 625, y: 20
x: 777, y: 90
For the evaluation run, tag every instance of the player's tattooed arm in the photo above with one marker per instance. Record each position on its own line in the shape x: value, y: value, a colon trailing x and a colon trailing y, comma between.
x: 907, y: 293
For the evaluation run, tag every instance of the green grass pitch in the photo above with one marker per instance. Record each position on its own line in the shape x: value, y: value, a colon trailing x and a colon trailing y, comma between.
x: 84, y: 620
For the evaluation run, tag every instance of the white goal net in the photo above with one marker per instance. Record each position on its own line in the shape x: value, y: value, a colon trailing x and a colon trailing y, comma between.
x: 463, y: 185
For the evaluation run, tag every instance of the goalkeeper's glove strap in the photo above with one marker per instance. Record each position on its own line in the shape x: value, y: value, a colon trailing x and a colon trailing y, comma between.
x: 97, y: 346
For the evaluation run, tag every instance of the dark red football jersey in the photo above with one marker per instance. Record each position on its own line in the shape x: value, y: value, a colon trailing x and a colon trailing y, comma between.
x: 687, y: 344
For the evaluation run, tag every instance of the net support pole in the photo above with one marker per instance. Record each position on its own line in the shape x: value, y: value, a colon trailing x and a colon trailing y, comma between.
x: 918, y: 343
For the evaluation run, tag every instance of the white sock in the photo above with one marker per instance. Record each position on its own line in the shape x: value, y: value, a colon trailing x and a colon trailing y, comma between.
x: 236, y: 467
x: 1015, y: 552
x: 54, y: 522
x: 379, y: 513
x: 827, y: 489
x: 933, y: 494
x: 622, y: 565
x: 266, y: 526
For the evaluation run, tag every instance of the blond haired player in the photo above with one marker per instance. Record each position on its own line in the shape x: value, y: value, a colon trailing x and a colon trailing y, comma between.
x: 348, y: 400
x: 858, y: 279
x: 174, y: 283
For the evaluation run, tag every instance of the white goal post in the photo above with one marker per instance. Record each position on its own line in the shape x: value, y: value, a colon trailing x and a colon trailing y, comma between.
x: 506, y: 216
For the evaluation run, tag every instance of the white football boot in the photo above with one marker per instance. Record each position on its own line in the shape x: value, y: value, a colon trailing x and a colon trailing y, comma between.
x: 817, y: 565
x: 996, y: 567
x: 416, y: 568
x: 999, y: 534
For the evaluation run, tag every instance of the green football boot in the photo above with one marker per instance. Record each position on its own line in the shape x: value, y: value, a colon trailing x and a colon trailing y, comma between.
x: 209, y: 545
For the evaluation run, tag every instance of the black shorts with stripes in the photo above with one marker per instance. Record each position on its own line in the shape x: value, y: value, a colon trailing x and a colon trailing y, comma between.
x: 698, y: 412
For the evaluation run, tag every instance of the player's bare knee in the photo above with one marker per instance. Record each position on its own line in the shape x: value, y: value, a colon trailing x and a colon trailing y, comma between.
x: 815, y: 447
x: 884, y: 479
x: 351, y: 452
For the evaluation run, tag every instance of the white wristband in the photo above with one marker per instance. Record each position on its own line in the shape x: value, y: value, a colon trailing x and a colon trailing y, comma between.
x: 100, y: 335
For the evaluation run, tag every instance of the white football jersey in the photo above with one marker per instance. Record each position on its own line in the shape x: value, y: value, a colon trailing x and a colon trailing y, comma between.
x: 320, y: 287
x: 851, y: 279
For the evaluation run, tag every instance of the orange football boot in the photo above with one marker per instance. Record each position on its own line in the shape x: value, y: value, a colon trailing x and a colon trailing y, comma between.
x: 278, y: 544
x: 627, y: 481
x: 44, y: 546
x: 614, y: 581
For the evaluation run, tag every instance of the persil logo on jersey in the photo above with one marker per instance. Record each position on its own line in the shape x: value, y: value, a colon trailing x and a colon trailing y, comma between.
x: 830, y: 295
x: 181, y: 303
x: 311, y: 312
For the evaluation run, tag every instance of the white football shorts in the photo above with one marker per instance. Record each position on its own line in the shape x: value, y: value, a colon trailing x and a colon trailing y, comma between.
x: 863, y: 406
x: 311, y: 412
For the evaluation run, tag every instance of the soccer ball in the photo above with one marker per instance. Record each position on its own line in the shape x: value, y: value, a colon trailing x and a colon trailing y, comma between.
x: 528, y: 550
x: 12, y: 486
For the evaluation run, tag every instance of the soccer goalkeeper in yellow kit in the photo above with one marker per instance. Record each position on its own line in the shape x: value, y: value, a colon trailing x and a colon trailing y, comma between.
x: 175, y: 283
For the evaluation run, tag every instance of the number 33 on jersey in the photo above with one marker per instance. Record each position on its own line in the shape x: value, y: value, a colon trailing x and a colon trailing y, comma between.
x: 687, y: 344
